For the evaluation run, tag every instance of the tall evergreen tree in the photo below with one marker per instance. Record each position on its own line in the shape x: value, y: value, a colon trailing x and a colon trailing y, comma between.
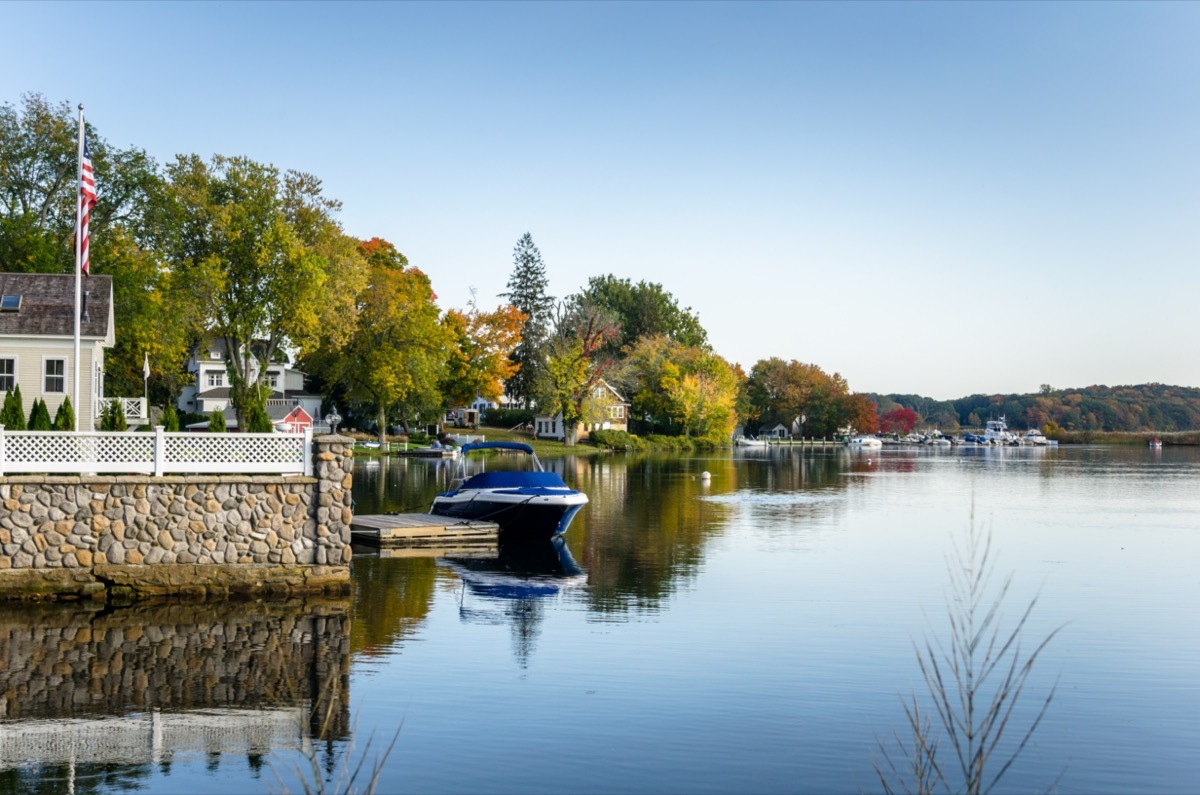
x: 527, y: 292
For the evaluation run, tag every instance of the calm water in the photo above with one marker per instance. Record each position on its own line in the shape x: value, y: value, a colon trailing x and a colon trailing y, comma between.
x: 749, y: 635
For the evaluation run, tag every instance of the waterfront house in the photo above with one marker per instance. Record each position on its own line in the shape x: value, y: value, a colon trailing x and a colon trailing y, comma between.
x: 209, y: 391
x: 604, y: 409
x: 37, y: 340
x: 776, y: 431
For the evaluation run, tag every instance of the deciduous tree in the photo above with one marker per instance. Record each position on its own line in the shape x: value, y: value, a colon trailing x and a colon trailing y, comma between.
x: 38, y: 191
x: 643, y: 309
x: 396, y: 354
x: 679, y: 389
x: 576, y: 362
x: 480, y: 354
x: 899, y: 420
x: 260, y: 250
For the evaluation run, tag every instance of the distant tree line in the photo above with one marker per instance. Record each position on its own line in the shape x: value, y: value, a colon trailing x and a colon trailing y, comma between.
x: 1144, y: 407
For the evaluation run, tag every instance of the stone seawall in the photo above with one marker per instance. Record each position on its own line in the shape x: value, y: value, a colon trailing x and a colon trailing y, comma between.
x: 136, y: 535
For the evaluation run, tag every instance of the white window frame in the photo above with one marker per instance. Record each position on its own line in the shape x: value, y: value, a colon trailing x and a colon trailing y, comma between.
x: 16, y: 370
x: 616, y: 412
x: 216, y: 379
x: 46, y: 375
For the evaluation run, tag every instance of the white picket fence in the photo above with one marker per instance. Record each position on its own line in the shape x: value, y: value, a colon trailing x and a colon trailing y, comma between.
x: 158, y: 453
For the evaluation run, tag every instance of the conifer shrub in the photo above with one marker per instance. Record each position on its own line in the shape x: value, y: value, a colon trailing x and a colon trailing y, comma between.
x: 119, y: 423
x: 170, y: 419
x: 216, y: 422
x: 258, y: 421
x: 13, y: 414
x: 64, y: 418
x: 39, y: 416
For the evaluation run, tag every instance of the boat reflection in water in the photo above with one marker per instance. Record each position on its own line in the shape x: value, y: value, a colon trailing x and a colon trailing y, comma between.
x: 526, y: 570
x: 514, y: 587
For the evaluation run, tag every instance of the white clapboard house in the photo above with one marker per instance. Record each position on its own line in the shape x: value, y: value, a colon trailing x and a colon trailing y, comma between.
x: 37, y: 340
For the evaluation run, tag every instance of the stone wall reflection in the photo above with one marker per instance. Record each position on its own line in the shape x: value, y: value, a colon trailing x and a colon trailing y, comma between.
x: 59, y: 662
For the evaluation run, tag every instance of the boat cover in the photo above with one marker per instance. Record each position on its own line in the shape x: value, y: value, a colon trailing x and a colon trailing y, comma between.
x: 524, y: 448
x: 513, y: 480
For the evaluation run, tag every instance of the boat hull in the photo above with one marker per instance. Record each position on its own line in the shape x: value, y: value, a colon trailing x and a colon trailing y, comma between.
x: 536, y: 518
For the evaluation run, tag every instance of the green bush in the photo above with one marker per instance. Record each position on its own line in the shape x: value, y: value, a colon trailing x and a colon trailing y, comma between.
x: 675, y: 444
x: 170, y: 419
x: 64, y: 418
x: 216, y: 422
x: 616, y: 440
x: 258, y: 421
x: 187, y: 418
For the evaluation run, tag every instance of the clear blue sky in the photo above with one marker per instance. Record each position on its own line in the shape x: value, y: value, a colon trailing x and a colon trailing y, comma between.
x: 940, y: 198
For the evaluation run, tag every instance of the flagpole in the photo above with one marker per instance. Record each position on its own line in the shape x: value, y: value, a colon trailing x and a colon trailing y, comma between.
x: 78, y: 268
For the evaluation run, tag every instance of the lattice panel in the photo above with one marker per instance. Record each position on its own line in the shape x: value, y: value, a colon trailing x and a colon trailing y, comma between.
x: 39, y: 451
x: 132, y: 452
x: 234, y: 452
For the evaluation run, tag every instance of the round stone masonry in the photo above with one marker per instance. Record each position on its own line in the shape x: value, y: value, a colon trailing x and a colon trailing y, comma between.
x: 261, y: 525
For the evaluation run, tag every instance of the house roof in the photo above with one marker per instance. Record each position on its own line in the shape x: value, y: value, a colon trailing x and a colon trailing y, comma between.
x: 217, y: 345
x: 48, y: 305
x: 612, y: 389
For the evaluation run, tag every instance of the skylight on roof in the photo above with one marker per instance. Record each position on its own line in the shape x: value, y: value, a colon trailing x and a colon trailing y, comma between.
x: 10, y: 303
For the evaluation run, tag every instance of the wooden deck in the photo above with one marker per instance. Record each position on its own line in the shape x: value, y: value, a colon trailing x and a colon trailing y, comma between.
x: 423, y: 531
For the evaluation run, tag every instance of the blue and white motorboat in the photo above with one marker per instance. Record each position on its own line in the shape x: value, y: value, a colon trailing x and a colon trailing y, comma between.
x: 526, y: 504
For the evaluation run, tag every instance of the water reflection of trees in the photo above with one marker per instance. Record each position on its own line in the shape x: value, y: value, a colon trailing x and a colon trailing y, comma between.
x: 646, y: 528
x: 392, y: 597
x: 642, y: 535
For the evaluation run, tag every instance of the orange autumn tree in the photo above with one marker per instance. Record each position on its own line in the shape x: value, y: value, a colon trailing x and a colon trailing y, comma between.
x: 480, y: 353
x: 396, y: 353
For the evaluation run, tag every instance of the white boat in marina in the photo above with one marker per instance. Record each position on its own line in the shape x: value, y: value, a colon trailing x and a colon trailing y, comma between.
x: 997, y: 432
x: 1036, y: 438
x: 864, y: 442
x: 743, y: 441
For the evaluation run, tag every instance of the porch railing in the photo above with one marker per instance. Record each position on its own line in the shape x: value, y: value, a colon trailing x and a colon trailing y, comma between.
x: 157, y: 453
x: 134, y: 408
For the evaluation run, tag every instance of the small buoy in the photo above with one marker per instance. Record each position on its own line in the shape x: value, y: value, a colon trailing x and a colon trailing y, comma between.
x: 705, y: 475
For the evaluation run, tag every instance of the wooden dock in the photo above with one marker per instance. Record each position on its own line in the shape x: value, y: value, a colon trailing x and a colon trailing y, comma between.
x: 424, y: 531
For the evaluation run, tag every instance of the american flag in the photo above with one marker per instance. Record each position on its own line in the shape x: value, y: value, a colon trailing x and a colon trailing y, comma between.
x: 87, y: 200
